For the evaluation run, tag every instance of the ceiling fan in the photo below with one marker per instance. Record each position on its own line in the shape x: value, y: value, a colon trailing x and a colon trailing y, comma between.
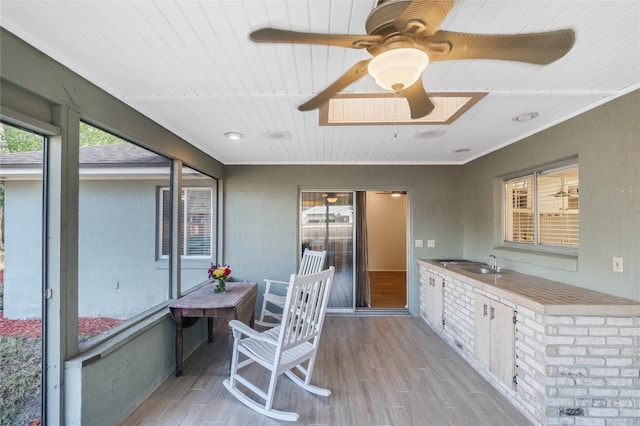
x: 403, y: 36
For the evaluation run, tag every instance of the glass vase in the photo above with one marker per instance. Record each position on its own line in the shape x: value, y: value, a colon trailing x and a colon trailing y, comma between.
x: 219, y: 286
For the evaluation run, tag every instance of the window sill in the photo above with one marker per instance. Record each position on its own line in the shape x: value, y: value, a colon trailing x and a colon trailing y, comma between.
x: 101, y: 346
x: 204, y: 263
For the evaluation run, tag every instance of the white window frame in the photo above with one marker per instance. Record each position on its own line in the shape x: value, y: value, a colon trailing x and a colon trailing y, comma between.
x: 535, y: 174
x: 184, y: 227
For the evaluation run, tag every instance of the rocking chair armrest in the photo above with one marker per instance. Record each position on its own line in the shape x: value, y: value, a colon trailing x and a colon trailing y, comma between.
x: 269, y: 282
x: 239, y: 328
x: 276, y: 282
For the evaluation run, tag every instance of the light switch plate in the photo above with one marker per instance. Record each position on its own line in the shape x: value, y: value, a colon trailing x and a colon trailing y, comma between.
x: 431, y: 243
x: 418, y: 243
x: 617, y: 264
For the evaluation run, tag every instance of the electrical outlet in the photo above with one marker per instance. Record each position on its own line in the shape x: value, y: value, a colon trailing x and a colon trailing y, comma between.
x: 617, y: 264
x: 431, y: 243
x: 418, y: 243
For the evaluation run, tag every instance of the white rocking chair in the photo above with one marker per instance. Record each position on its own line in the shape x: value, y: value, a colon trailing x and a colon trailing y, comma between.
x: 312, y: 262
x: 283, y: 348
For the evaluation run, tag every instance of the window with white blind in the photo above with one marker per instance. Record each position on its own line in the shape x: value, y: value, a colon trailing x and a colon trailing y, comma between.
x: 196, y: 217
x: 542, y: 208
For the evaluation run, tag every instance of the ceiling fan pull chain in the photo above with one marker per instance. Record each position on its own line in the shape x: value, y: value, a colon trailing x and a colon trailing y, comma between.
x: 395, y: 113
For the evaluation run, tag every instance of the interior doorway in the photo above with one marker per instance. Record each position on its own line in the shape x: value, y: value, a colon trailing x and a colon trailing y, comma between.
x: 365, y: 236
x: 386, y: 221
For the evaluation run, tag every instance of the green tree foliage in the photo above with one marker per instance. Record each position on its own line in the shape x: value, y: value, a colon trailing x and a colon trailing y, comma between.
x: 13, y: 139
x: 91, y: 136
x: 17, y: 140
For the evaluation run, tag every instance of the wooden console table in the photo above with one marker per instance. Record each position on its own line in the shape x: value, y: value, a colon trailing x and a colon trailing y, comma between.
x: 238, y: 302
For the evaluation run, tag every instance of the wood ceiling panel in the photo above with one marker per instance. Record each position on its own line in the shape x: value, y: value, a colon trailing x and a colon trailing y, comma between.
x: 227, y: 49
x: 266, y: 67
x: 146, y: 72
x: 320, y: 20
x: 190, y: 66
x: 195, y: 34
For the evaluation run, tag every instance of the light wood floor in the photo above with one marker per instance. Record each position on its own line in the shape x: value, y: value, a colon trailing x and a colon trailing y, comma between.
x: 388, y: 289
x: 381, y: 371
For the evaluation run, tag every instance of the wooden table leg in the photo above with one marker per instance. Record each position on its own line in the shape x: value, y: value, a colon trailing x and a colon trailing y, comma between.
x: 210, y: 329
x: 230, y: 317
x: 179, y: 333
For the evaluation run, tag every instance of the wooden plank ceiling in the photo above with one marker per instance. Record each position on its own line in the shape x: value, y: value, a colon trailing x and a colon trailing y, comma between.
x: 190, y: 66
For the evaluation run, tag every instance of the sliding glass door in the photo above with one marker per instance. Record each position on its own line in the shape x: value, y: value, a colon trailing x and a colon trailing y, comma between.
x: 327, y: 223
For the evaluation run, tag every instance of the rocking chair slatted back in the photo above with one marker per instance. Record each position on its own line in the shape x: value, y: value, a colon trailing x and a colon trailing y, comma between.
x: 272, y: 302
x: 312, y: 262
x: 306, y: 309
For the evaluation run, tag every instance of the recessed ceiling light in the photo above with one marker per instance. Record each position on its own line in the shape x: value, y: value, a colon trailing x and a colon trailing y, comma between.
x: 277, y: 134
x: 525, y: 116
x: 234, y: 136
x: 429, y: 134
x: 461, y: 150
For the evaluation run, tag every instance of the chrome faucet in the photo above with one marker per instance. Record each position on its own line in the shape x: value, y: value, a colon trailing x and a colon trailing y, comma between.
x: 495, y: 262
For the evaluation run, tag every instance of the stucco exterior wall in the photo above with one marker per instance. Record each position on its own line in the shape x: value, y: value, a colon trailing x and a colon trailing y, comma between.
x: 23, y: 250
x: 120, y: 273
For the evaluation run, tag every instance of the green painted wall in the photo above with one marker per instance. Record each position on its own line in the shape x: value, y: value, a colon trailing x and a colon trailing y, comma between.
x: 606, y: 141
x: 261, y: 213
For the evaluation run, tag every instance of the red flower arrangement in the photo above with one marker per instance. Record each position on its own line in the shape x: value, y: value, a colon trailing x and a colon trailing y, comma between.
x: 219, y: 272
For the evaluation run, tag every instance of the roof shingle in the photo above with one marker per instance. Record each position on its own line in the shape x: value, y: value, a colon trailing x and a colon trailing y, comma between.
x: 125, y: 154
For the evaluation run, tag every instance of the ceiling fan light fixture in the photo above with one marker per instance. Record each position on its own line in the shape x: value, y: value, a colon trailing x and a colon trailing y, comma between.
x: 398, y: 69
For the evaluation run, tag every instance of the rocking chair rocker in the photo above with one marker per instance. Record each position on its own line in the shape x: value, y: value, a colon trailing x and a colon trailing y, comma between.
x: 312, y: 262
x: 285, y: 347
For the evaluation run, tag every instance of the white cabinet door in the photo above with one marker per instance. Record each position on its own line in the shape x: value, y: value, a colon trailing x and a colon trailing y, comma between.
x: 434, y: 295
x: 502, y: 343
x: 494, y: 345
x: 482, y: 341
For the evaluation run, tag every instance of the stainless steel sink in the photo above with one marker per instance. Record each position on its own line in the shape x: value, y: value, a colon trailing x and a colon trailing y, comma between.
x: 455, y: 261
x: 483, y: 270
